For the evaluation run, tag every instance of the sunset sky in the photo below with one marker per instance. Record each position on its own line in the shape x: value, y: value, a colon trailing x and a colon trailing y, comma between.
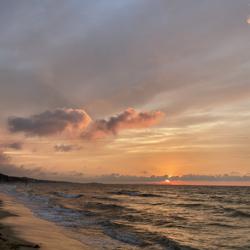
x: 125, y: 87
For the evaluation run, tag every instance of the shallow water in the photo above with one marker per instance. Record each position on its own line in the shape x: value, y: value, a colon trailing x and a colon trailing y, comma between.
x: 144, y: 216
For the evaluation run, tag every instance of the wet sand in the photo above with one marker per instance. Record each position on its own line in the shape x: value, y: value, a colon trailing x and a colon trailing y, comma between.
x: 21, y: 230
x: 8, y: 239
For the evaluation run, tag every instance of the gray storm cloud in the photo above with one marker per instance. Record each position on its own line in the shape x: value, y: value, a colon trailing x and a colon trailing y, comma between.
x: 50, y: 122
x: 79, y: 122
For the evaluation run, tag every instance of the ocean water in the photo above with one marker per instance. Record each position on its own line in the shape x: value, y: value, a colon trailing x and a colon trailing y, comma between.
x: 144, y: 216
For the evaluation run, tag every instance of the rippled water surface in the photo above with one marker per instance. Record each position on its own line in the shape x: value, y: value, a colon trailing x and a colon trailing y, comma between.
x: 144, y: 216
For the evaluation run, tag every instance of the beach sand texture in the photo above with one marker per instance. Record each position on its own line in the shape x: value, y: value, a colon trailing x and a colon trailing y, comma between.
x: 21, y: 230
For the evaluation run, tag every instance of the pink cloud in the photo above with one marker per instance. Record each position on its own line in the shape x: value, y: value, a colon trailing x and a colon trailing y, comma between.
x: 128, y: 119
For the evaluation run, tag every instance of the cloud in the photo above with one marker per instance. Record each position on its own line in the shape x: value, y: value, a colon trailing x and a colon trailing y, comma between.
x: 66, y: 147
x: 3, y: 158
x: 50, y: 122
x: 79, y: 122
x: 13, y: 145
x: 211, y: 178
x: 8, y: 168
x: 128, y: 119
x: 117, y: 178
x: 21, y: 171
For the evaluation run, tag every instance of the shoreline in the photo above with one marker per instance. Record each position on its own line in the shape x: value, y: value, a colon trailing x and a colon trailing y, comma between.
x: 8, y: 239
x: 20, y: 229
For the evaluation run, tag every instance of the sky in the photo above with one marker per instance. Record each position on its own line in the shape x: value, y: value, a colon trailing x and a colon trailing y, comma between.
x: 123, y: 90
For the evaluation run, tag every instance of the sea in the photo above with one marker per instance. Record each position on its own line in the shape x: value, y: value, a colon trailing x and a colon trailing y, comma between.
x: 143, y: 216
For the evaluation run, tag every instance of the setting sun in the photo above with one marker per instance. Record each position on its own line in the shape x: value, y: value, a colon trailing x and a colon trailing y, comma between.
x: 124, y: 123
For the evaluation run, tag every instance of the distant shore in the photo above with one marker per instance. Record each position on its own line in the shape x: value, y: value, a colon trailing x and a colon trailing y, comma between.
x: 21, y: 230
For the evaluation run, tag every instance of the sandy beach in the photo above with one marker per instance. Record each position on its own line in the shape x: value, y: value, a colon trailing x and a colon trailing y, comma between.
x: 8, y: 239
x: 21, y: 230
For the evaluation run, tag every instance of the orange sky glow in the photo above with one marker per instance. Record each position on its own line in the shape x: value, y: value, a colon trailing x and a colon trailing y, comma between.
x: 167, y: 96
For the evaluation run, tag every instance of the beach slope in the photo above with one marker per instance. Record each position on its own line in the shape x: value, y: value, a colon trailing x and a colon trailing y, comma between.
x: 21, y: 230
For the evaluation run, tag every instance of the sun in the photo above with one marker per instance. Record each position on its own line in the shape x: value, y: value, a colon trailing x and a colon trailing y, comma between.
x: 167, y: 181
